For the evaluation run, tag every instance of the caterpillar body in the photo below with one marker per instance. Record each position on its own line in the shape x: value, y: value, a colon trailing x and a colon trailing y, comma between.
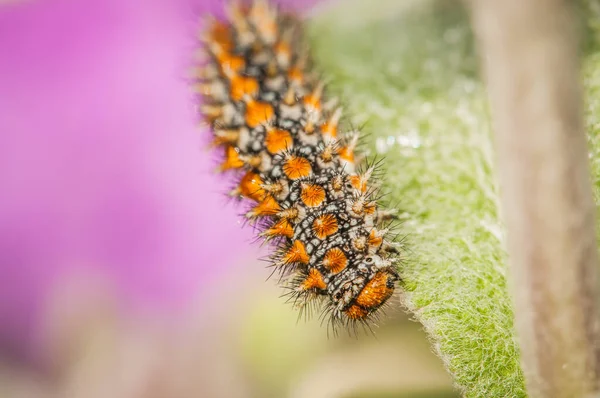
x: 281, y: 141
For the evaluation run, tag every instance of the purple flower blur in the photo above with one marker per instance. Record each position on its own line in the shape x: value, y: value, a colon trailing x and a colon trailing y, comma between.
x: 102, y: 165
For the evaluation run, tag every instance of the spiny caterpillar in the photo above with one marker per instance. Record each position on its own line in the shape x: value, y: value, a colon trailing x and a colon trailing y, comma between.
x: 280, y: 139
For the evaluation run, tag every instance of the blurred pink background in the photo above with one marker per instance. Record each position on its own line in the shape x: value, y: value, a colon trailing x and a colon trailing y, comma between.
x: 103, y: 171
x: 123, y: 266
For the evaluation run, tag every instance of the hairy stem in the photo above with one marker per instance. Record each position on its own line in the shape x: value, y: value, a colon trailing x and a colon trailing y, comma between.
x: 530, y: 60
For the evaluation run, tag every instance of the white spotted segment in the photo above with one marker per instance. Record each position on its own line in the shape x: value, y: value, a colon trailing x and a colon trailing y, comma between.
x: 281, y: 139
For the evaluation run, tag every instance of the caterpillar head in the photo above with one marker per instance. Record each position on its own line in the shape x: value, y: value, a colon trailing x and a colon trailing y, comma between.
x: 362, y: 288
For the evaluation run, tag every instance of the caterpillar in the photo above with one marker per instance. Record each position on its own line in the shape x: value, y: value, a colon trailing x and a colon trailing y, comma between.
x: 282, y: 142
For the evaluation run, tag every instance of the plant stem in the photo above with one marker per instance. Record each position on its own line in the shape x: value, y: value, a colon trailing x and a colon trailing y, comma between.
x: 530, y: 60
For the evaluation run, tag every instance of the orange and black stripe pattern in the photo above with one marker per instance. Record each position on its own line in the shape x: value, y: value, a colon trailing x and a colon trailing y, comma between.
x: 281, y: 140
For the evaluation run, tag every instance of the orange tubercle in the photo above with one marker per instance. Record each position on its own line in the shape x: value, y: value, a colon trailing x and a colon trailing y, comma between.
x: 220, y: 34
x: 312, y: 195
x: 296, y: 254
x: 314, y: 280
x: 370, y: 208
x: 358, y: 182
x: 230, y: 63
x: 297, y: 167
x: 283, y: 49
x: 258, y: 113
x: 278, y: 140
x: 312, y: 102
x: 375, y: 292
x: 372, y: 296
x: 375, y: 238
x: 329, y: 130
x: 347, y: 153
x: 356, y: 312
x: 295, y: 75
x: 267, y: 207
x: 242, y: 86
x: 325, y: 225
x: 251, y: 186
x: 232, y: 159
x: 335, y: 260
x: 280, y: 228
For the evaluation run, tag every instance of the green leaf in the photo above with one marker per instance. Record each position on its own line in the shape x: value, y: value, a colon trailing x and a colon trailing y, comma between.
x: 408, y: 71
x: 410, y: 75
